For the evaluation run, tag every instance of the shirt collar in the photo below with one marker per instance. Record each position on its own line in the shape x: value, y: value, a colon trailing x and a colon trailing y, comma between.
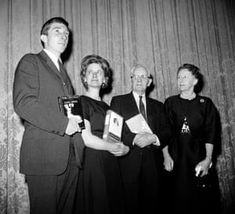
x: 53, y: 57
x: 137, y: 97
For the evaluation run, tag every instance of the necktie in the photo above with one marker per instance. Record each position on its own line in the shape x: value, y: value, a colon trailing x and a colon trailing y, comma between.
x: 142, y: 109
x: 62, y: 70
x: 65, y: 78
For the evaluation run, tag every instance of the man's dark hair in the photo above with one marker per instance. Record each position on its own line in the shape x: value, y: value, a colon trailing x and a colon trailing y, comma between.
x: 46, y: 26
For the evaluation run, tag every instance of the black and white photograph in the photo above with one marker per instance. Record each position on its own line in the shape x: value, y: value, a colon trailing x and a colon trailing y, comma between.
x: 162, y: 71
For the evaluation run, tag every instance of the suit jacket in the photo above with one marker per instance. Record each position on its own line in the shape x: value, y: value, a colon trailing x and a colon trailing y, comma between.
x: 37, y: 86
x: 125, y: 105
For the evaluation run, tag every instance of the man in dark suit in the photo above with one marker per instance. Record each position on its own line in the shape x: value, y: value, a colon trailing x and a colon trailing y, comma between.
x: 141, y: 167
x: 51, y: 148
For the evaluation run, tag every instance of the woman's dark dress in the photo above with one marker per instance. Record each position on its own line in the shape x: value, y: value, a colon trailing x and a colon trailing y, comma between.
x: 100, y: 188
x: 194, y: 123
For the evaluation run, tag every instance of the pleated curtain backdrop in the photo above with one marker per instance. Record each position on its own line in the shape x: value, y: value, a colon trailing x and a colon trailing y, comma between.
x: 160, y: 34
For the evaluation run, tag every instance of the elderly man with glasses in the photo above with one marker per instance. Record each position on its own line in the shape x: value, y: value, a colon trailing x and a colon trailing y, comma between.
x: 146, y: 132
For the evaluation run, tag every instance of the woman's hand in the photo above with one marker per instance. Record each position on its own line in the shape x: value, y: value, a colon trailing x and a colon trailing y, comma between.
x: 203, y: 167
x: 168, y: 163
x: 119, y: 149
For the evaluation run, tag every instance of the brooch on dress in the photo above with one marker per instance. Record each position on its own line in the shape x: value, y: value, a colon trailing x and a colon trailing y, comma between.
x: 202, y: 100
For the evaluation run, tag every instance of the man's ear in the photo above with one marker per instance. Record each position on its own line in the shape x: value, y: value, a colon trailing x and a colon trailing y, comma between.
x: 43, y: 38
x: 149, y: 81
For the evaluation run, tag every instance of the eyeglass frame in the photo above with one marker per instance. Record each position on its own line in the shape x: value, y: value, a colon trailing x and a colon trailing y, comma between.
x: 142, y: 77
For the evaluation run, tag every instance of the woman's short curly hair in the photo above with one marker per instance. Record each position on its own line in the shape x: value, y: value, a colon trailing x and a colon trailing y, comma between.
x: 104, y: 64
x: 195, y: 71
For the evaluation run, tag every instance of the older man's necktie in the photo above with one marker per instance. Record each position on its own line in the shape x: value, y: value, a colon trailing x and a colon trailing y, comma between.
x: 141, y: 107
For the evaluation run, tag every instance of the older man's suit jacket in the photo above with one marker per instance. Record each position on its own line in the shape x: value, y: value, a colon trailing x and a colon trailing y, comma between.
x: 37, y: 86
x: 126, y: 106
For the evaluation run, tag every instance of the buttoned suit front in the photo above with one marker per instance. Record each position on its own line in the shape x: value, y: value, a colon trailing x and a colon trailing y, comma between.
x: 45, y: 148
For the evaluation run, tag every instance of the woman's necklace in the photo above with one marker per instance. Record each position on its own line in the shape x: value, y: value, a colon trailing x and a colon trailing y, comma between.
x: 188, y: 96
x: 185, y: 127
x: 93, y: 96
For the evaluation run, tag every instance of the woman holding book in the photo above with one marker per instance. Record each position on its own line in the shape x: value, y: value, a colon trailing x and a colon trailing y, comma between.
x: 100, y: 187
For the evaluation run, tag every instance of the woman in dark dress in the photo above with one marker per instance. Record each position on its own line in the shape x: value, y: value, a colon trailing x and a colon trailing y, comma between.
x: 194, y: 123
x: 100, y: 187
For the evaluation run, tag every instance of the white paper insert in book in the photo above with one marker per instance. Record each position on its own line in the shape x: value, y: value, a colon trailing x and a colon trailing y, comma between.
x: 113, y: 127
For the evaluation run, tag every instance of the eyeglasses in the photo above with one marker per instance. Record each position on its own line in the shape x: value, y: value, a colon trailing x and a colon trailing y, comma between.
x: 142, y: 77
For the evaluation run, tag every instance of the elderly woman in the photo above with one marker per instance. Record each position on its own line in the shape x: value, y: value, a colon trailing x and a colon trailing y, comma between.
x: 194, y: 123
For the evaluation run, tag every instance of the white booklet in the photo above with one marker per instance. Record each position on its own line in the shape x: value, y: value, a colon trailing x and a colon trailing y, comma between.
x: 138, y: 124
x: 113, y: 127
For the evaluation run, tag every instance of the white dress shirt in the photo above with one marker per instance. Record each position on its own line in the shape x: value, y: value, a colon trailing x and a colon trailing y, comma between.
x: 53, y: 58
x: 137, y: 99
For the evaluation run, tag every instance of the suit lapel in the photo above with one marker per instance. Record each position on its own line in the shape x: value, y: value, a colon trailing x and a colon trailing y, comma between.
x: 49, y: 63
x: 132, y: 104
x: 149, y: 111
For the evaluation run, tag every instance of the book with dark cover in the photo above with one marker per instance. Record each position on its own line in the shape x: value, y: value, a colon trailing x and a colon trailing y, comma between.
x: 113, y: 127
x: 71, y: 105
